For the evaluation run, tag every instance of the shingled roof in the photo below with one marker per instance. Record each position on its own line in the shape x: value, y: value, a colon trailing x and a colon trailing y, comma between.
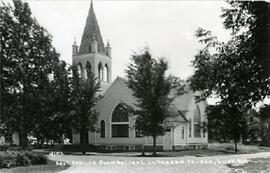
x: 91, y: 31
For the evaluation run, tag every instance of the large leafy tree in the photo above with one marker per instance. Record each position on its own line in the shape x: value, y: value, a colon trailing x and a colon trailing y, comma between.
x: 252, y: 19
x: 84, y: 97
x: 151, y: 88
x: 27, y: 57
x: 231, y: 72
x: 236, y: 71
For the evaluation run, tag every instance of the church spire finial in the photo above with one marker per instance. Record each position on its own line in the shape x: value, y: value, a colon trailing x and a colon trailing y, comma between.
x: 75, y: 42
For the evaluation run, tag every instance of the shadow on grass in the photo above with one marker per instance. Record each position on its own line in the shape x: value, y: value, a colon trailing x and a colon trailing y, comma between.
x: 152, y: 155
x: 181, y: 153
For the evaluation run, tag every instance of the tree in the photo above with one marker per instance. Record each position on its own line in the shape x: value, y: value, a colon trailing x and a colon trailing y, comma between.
x: 27, y: 60
x: 55, y: 106
x: 84, y: 97
x: 237, y: 71
x: 252, y: 19
x: 151, y: 88
x: 231, y: 72
x: 219, y: 122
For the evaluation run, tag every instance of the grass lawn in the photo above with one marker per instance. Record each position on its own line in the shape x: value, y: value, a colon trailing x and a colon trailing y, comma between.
x: 254, y: 165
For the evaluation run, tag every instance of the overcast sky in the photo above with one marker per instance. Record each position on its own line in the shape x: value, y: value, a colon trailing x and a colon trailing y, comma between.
x: 167, y: 27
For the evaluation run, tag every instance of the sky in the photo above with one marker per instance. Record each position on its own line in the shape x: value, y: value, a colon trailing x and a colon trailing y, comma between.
x: 166, y: 27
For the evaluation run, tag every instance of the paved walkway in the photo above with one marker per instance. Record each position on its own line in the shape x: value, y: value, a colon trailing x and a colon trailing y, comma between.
x: 117, y: 163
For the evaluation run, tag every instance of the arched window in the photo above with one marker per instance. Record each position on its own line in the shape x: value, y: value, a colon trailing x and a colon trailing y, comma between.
x: 100, y: 72
x: 102, y: 129
x: 120, y: 114
x: 87, y: 69
x: 80, y: 69
x: 106, y: 73
x: 120, y: 123
x: 197, y: 122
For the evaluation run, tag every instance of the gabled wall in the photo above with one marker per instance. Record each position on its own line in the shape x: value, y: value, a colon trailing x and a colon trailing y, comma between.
x: 118, y: 92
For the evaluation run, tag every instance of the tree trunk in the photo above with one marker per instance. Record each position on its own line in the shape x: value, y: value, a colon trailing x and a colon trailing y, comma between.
x: 235, y: 145
x: 236, y: 132
x: 42, y: 142
x: 38, y: 142
x: 143, y: 151
x: 84, y: 140
x: 23, y: 139
x: 154, y: 145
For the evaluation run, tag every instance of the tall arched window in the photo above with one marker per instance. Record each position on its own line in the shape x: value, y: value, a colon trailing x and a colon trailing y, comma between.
x: 100, y: 72
x: 120, y: 123
x: 197, y: 122
x: 87, y: 69
x: 80, y: 69
x: 102, y: 129
x: 106, y: 73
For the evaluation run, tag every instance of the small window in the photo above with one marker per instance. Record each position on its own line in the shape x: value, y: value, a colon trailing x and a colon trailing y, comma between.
x: 183, y: 132
x: 189, y: 128
x: 102, y: 129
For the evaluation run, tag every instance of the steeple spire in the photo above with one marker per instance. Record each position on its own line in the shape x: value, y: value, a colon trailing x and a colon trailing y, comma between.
x: 91, y: 31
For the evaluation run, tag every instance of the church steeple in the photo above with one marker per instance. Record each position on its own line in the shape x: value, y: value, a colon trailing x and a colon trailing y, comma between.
x: 92, y: 55
x: 91, y: 31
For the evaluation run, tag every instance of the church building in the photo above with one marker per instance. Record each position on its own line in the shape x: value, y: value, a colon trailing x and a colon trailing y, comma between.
x: 117, y: 129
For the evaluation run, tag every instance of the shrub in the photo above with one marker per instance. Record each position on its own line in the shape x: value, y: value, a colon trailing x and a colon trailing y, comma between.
x: 10, y: 159
x: 22, y: 160
x: 36, y: 158
x: 7, y: 160
x: 3, y: 147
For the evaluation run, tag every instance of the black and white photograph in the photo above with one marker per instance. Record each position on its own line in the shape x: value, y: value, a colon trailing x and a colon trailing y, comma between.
x: 134, y: 86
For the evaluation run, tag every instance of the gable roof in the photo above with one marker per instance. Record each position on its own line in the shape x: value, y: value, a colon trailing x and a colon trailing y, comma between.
x: 91, y: 32
x: 183, y: 101
x: 118, y: 79
x: 103, y: 87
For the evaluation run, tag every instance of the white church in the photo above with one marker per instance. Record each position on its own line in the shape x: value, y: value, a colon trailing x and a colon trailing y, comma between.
x: 117, y: 131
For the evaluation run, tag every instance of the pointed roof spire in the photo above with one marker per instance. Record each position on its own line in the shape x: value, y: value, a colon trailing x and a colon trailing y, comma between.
x: 108, y: 43
x: 91, y: 31
x: 75, y: 42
